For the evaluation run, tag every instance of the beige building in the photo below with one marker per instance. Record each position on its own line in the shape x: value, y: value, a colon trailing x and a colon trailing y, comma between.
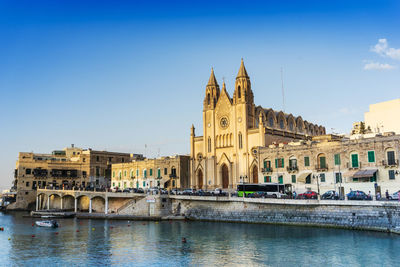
x: 384, y: 117
x: 233, y: 129
x: 69, y: 167
x: 336, y: 163
x: 165, y: 172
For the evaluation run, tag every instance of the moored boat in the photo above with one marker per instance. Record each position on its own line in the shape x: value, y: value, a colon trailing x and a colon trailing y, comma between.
x: 51, y: 223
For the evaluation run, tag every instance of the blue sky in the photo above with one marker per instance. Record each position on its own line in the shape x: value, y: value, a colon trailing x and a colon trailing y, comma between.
x: 117, y: 75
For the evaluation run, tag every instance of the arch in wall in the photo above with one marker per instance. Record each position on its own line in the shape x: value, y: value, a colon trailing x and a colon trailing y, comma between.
x: 255, y: 174
x: 225, y: 176
x: 200, y: 179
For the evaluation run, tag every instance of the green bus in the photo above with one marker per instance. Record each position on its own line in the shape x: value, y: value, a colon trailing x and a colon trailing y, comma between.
x: 272, y: 189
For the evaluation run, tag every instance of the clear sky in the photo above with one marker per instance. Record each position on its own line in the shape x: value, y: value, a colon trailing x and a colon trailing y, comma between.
x: 117, y: 75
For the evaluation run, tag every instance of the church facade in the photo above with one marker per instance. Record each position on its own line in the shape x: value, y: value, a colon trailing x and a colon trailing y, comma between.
x: 233, y: 129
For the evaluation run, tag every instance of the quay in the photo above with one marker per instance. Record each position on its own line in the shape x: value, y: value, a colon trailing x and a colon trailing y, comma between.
x: 350, y: 214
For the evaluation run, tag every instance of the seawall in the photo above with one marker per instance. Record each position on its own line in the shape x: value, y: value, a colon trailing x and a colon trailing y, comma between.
x: 362, y: 215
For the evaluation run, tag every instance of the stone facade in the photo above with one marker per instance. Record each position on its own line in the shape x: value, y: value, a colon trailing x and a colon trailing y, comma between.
x: 383, y: 116
x: 165, y: 172
x: 68, y: 167
x: 368, y: 163
x: 232, y: 129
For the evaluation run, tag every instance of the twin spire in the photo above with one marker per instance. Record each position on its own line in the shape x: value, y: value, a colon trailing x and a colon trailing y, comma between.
x: 241, y: 74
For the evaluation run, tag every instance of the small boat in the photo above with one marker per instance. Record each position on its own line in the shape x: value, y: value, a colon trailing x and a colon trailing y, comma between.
x: 51, y: 224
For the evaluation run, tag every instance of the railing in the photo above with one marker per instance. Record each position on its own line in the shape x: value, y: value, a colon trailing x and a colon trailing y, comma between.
x: 265, y: 170
x: 390, y: 163
x: 321, y: 168
x: 350, y: 166
x: 292, y: 168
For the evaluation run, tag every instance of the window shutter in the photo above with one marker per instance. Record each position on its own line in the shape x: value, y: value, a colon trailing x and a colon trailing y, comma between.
x: 276, y: 163
x: 283, y: 163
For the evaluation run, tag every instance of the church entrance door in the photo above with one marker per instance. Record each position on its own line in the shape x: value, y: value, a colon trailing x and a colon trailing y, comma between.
x: 225, y: 176
x: 255, y: 174
x: 199, y: 179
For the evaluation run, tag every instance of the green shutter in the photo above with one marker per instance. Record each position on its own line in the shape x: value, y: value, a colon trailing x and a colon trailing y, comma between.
x: 280, y: 179
x: 151, y: 172
x: 276, y: 163
x: 371, y: 156
x: 322, y: 175
x: 293, y: 178
x: 354, y: 160
x: 265, y: 179
x: 391, y: 174
x: 322, y: 162
x: 265, y: 164
x: 283, y: 163
x: 144, y: 183
x: 337, y: 159
x: 306, y: 161
x: 158, y: 173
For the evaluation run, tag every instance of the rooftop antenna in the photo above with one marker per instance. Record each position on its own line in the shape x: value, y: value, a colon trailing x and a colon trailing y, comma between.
x: 283, y: 91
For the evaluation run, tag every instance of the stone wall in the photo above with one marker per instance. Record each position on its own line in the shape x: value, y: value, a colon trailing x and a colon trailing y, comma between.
x: 367, y: 215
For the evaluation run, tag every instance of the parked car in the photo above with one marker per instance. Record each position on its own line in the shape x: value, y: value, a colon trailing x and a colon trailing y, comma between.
x: 189, y: 192
x: 118, y: 191
x: 140, y: 190
x: 358, y: 195
x: 394, y: 196
x: 308, y: 195
x: 331, y: 194
x: 128, y: 190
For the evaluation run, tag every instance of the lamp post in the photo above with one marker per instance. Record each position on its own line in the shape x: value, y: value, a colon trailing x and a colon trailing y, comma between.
x: 316, y: 176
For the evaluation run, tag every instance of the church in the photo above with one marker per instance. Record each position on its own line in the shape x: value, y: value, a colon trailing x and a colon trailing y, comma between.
x: 233, y: 129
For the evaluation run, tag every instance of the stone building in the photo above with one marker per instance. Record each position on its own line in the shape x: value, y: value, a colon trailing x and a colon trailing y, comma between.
x: 165, y: 172
x: 330, y: 162
x: 232, y: 129
x: 69, y: 167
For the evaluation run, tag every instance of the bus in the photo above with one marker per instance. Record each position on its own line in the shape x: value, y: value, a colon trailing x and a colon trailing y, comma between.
x: 272, y: 189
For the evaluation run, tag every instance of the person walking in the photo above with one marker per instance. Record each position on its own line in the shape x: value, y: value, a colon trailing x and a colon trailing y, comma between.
x: 387, y: 194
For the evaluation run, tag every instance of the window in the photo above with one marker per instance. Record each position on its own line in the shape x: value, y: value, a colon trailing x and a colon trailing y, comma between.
x: 306, y: 161
x: 282, y: 124
x: 322, y: 161
x: 354, y: 160
x: 279, y: 163
x: 124, y: 173
x: 124, y: 184
x: 208, y: 99
x: 209, y: 144
x: 337, y: 159
x: 292, y: 163
x: 131, y: 173
x: 173, y: 172
x: 151, y: 172
x: 114, y: 184
x: 280, y: 179
x: 97, y: 158
x: 291, y: 126
x: 293, y: 178
x: 371, y: 156
x: 27, y: 184
x: 240, y: 141
x: 145, y: 173
x: 28, y: 171
x: 97, y: 171
x: 267, y: 165
x: 120, y: 174
x: 338, y: 176
x: 271, y: 121
x: 158, y: 173
x: 137, y: 173
x: 267, y: 179
x: 119, y: 185
x: 322, y: 176
x: 173, y: 183
x: 165, y: 171
x: 113, y: 174
x: 239, y: 92
x: 391, y: 175
x: 390, y: 158
x: 144, y: 183
x: 84, y: 174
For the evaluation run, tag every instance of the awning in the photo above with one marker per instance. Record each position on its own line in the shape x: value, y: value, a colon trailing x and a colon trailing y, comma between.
x: 302, y: 177
x: 365, y: 173
x: 349, y: 173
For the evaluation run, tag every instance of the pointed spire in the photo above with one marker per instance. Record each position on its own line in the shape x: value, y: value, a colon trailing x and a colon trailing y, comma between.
x: 212, y: 80
x: 242, y: 71
x: 223, y: 86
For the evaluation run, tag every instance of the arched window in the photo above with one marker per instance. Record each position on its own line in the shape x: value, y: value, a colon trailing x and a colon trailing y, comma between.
x: 271, y: 121
x: 209, y: 144
x: 240, y: 141
x: 124, y: 173
x: 131, y: 173
x: 144, y: 173
x: 282, y: 124
x: 239, y: 92
x: 291, y: 125
x: 208, y: 99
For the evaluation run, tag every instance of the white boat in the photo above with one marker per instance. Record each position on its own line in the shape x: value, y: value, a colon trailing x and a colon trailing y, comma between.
x: 52, y: 224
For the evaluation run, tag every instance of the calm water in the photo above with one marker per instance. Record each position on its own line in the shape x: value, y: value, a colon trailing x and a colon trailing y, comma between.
x: 100, y: 242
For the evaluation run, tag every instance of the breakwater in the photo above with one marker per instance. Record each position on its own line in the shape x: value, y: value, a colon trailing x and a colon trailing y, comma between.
x: 362, y: 215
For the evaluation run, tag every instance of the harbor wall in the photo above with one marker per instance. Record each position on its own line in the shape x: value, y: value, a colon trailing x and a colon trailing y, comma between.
x: 365, y: 215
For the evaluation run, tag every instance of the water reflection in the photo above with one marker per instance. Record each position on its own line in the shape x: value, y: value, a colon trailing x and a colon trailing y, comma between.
x: 121, y: 243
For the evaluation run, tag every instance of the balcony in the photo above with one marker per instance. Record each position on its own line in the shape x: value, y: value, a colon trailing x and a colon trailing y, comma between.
x: 266, y: 170
x: 390, y: 163
x: 321, y: 168
x: 350, y: 166
x: 292, y: 169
